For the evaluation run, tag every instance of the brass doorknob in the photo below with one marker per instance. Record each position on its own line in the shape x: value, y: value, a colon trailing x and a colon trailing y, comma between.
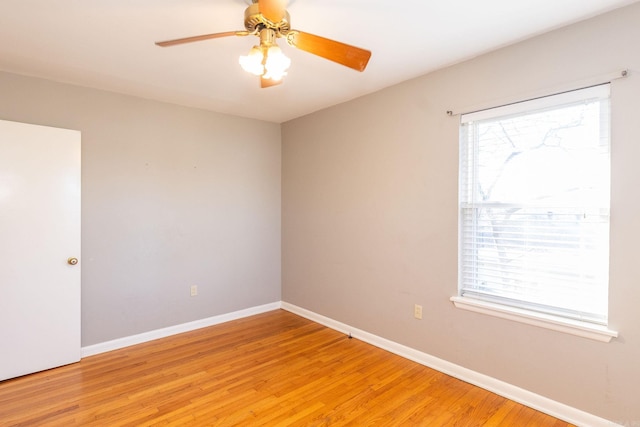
x: 72, y: 261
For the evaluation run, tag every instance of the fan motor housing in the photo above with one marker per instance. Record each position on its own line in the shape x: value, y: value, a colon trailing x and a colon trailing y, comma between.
x: 253, y: 20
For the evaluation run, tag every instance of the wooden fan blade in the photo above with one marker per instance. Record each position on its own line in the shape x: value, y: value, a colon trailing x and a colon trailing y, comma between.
x: 273, y: 10
x: 344, y: 54
x: 269, y: 82
x: 200, y: 38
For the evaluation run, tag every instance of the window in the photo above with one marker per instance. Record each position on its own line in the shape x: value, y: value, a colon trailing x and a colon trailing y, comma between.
x: 534, y: 205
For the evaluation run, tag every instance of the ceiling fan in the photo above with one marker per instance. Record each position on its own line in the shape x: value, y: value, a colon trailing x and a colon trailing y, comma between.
x: 269, y: 20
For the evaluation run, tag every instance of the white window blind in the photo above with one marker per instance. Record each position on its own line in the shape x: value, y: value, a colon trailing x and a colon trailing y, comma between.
x: 534, y: 205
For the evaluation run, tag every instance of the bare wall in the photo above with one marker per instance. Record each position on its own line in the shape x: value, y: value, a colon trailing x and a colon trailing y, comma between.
x: 171, y: 197
x: 369, y: 217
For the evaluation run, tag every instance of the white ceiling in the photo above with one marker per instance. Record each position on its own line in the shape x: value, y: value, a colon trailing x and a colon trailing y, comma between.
x: 110, y: 45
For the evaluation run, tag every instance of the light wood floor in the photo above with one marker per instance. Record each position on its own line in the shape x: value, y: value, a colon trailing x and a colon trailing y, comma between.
x: 273, y: 369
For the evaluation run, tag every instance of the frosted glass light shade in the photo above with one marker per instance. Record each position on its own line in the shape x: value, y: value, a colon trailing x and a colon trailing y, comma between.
x: 276, y: 65
x: 252, y: 63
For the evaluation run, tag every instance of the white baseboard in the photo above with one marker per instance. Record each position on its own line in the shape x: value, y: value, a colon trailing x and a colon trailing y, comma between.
x: 517, y: 394
x: 177, y: 329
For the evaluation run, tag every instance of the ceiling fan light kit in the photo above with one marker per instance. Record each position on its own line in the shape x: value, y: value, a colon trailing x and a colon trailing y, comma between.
x: 269, y: 20
x: 267, y: 59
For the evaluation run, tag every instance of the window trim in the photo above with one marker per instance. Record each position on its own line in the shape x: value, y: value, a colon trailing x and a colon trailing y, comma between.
x: 560, y: 324
x: 585, y: 329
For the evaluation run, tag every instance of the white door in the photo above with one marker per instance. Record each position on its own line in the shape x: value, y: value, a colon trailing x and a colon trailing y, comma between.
x: 39, y: 233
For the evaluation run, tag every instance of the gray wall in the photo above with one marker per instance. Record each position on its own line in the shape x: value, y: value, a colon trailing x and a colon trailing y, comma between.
x: 369, y: 217
x: 171, y: 197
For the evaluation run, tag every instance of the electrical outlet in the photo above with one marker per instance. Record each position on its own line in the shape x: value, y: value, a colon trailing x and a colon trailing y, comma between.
x: 194, y: 290
x: 417, y: 311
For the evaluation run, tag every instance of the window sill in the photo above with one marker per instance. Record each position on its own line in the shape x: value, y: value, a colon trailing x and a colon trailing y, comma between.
x: 573, y: 327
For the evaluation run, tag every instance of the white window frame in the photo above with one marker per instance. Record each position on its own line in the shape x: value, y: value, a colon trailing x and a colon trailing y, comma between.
x: 522, y: 314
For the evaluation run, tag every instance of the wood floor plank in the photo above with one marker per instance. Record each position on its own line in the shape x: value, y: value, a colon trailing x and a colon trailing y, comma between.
x: 273, y: 369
